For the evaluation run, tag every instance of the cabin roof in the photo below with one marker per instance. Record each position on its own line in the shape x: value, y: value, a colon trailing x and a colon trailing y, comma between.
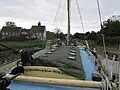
x: 59, y: 59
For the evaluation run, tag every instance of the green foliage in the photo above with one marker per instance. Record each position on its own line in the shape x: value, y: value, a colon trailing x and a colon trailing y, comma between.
x: 10, y: 24
x: 62, y: 36
x: 111, y: 31
x: 22, y: 44
x: 50, y: 35
x: 79, y: 35
x: 57, y: 34
x: 92, y: 36
x: 111, y: 28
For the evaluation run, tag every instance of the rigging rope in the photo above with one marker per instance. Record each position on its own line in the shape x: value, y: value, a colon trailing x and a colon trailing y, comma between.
x: 100, y: 18
x: 80, y: 15
x: 78, y: 8
x: 56, y: 14
x: 61, y: 18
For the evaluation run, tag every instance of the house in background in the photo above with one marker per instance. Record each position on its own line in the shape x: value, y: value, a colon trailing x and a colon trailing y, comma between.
x: 43, y: 32
x: 25, y: 33
x: 38, y: 32
x: 18, y: 33
x: 7, y: 32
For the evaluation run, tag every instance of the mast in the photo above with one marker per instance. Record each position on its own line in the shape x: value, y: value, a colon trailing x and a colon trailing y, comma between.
x: 68, y: 15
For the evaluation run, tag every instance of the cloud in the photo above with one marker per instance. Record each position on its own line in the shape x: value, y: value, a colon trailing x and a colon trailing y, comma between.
x: 28, y: 12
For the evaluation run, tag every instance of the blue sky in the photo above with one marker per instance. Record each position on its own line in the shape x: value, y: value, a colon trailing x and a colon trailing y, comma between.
x: 28, y: 12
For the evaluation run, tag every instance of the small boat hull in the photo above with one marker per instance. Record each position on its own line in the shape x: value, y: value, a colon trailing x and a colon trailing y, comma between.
x: 30, y: 86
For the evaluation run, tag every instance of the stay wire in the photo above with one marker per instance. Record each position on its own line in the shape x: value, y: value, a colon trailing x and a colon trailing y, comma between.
x: 99, y: 12
x: 79, y: 12
x: 62, y: 12
x: 100, y: 18
x: 56, y: 14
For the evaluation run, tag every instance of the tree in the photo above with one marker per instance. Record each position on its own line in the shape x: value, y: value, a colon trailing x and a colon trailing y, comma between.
x: 62, y: 36
x: 10, y: 24
x: 87, y: 34
x: 57, y: 32
x: 76, y: 35
x: 111, y: 28
x: 92, y: 36
x: 50, y: 35
x: 0, y: 35
x: 71, y: 36
x: 79, y: 35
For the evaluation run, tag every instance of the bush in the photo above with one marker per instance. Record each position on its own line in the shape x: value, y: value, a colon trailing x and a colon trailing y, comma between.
x: 15, y: 38
x: 22, y: 44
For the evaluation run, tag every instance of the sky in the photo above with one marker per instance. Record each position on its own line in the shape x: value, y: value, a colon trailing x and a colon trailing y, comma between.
x: 26, y: 13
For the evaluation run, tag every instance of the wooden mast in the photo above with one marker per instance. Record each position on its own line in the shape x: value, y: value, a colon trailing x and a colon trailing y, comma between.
x: 68, y: 15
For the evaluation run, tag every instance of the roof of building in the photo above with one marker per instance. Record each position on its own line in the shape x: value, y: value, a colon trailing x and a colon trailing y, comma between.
x: 37, y: 29
x: 10, y: 29
x: 25, y: 30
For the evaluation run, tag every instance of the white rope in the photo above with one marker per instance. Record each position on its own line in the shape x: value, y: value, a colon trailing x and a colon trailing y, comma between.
x: 104, y: 44
x: 103, y: 85
x: 112, y: 67
x: 99, y: 11
x: 63, y: 8
x: 100, y: 18
x: 56, y: 13
x: 78, y: 8
x: 118, y: 67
